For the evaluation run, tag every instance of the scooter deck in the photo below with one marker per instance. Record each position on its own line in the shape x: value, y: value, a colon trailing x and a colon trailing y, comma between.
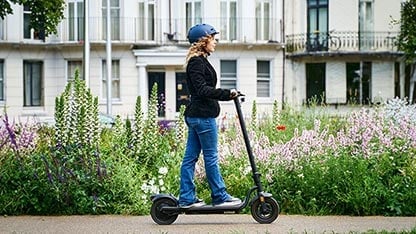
x: 206, y: 209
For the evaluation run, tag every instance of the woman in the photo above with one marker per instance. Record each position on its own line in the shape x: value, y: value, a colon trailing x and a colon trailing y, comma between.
x: 200, y: 117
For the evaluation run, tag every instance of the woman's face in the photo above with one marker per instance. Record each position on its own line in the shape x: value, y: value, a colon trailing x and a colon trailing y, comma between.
x: 212, y: 42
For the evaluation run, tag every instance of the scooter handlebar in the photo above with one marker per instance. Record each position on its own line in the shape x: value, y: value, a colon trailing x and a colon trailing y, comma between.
x: 238, y: 94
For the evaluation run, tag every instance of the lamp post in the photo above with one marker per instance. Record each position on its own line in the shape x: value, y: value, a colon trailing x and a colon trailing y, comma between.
x: 86, y: 63
x: 108, y: 60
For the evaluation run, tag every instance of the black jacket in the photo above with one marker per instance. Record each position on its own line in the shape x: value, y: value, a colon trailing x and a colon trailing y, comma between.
x: 202, y: 81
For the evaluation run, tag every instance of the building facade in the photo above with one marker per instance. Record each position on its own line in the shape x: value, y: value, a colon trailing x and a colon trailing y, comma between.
x: 292, y: 51
x: 343, y: 52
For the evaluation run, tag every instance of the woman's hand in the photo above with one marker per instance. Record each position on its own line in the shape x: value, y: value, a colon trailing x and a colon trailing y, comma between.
x: 233, y: 93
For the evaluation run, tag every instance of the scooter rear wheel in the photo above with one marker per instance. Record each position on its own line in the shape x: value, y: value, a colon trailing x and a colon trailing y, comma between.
x: 160, y: 217
x: 266, y: 212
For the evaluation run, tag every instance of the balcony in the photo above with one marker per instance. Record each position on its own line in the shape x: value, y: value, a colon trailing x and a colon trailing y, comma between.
x: 138, y: 30
x: 341, y: 42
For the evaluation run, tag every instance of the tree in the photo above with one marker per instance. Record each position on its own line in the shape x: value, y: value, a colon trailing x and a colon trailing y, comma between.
x: 45, y: 15
x: 407, y: 39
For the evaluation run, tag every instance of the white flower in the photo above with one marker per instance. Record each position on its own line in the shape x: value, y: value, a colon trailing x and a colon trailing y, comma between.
x: 154, y: 189
x: 144, y: 187
x: 161, y: 182
x: 163, y: 170
x: 247, y: 170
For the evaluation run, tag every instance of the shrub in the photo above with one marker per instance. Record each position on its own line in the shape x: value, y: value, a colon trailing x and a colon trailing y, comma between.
x: 313, y: 162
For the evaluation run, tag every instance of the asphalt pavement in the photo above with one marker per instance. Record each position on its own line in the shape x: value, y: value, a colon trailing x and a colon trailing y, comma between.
x: 233, y: 224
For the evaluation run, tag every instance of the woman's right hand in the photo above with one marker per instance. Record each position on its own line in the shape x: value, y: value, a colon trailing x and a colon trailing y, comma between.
x: 233, y: 93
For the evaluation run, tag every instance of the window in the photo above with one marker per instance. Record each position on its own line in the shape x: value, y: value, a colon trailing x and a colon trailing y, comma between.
x: 397, y: 82
x: 228, y: 74
x: 263, y: 19
x: 366, y: 22
x: 28, y: 32
x: 353, y: 83
x: 228, y: 20
x: 114, y: 17
x: 1, y: 80
x: 359, y: 82
x: 1, y: 29
x: 263, y: 78
x: 366, y: 69
x: 115, y: 79
x: 72, y: 66
x: 32, y: 83
x: 76, y: 20
x: 146, y: 20
x: 317, y: 25
x: 193, y: 13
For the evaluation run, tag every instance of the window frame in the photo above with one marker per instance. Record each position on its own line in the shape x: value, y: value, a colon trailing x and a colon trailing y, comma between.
x: 228, y: 20
x: 317, y: 36
x: 366, y: 24
x: 263, y: 78
x: 192, y: 15
x: 76, y: 21
x: 146, y: 20
x: 263, y: 20
x: 227, y: 78
x: 29, y: 101
x: 2, y: 79
x: 2, y: 29
x: 115, y: 80
x: 72, y: 65
x: 32, y: 34
x: 115, y: 18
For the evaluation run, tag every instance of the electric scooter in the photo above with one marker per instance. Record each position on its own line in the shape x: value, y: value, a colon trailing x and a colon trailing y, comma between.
x: 264, y: 208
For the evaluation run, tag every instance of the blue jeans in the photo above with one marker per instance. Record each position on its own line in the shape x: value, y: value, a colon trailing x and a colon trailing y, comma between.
x: 202, y: 135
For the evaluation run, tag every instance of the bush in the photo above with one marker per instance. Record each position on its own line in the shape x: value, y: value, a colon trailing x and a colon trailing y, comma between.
x: 314, y: 163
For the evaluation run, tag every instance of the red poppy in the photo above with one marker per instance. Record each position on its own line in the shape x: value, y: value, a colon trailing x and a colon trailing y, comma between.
x: 280, y: 127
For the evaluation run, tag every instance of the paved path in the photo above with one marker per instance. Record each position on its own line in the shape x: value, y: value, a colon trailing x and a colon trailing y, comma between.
x: 233, y: 224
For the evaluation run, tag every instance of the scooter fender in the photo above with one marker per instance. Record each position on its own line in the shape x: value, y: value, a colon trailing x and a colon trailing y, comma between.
x: 263, y: 194
x: 156, y: 197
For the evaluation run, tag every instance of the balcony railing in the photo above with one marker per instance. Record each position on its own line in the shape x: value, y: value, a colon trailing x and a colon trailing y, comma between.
x: 347, y: 41
x: 156, y: 31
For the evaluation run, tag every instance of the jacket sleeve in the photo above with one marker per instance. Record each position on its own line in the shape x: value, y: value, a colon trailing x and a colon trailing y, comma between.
x: 196, y: 72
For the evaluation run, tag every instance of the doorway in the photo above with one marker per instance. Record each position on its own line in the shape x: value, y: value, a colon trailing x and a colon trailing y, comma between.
x: 159, y: 79
x: 182, y: 93
x: 315, y: 83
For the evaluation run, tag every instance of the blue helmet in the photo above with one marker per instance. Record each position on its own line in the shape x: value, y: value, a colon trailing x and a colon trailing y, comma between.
x: 199, y: 31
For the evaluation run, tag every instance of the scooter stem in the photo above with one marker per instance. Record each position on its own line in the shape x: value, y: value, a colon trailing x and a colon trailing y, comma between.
x: 256, y: 174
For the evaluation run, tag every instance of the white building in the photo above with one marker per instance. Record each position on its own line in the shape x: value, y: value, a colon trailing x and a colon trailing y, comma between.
x: 256, y: 54
x: 343, y: 52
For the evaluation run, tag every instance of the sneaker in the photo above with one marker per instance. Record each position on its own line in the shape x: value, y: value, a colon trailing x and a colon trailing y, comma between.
x: 231, y: 201
x: 198, y: 203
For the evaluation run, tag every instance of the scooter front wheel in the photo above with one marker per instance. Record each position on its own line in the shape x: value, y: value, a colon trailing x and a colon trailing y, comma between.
x: 265, y: 212
x: 158, y: 215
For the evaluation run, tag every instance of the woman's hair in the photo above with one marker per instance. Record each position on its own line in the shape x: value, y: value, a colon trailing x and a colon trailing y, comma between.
x: 198, y: 48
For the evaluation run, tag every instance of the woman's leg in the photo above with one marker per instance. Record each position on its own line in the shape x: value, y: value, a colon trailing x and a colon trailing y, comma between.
x: 192, y: 151
x: 208, y: 136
